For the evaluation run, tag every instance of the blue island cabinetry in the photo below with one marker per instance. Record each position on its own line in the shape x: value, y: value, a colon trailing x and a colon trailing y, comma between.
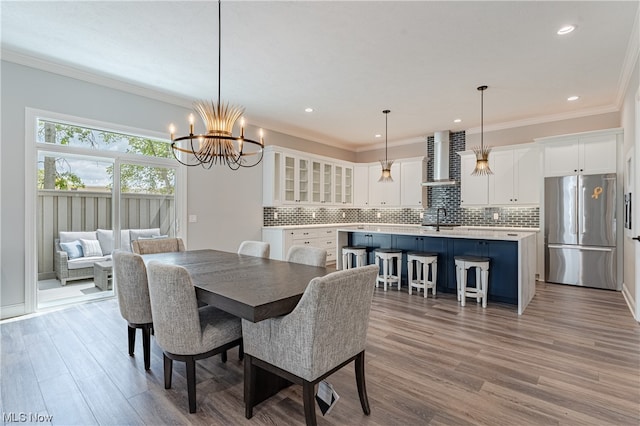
x: 505, y: 275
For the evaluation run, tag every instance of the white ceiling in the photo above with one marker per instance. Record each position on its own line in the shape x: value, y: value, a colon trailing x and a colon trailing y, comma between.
x: 347, y: 60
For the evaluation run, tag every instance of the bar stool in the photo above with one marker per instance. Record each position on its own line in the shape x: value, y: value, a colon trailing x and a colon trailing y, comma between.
x: 422, y: 261
x: 481, y: 290
x: 348, y: 252
x: 387, y: 256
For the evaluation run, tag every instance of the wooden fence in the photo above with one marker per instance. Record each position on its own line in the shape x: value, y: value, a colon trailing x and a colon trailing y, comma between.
x: 89, y: 210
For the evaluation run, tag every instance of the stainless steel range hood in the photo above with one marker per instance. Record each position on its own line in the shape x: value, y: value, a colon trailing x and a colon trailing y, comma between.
x: 440, y: 160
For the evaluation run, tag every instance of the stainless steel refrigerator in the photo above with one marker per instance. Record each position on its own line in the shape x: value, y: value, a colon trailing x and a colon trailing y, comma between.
x: 580, y: 230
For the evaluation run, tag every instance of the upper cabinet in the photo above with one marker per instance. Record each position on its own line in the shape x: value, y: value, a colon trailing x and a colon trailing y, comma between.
x: 586, y: 153
x: 361, y: 185
x: 515, y: 179
x: 411, y: 176
x: 516, y: 176
x: 296, y: 179
x: 474, y: 190
x: 384, y: 194
x: 293, y: 178
x: 343, y: 184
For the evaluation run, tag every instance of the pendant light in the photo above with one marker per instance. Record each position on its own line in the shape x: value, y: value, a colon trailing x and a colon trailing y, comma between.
x: 386, y: 163
x: 482, y: 152
x: 218, y: 145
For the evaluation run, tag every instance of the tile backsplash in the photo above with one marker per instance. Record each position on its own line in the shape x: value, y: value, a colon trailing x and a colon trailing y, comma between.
x: 437, y: 196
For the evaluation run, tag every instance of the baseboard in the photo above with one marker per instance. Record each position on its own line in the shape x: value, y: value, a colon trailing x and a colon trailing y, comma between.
x: 11, y: 311
x: 630, y: 302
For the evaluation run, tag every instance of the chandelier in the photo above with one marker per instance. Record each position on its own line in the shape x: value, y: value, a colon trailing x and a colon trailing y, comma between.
x: 386, y: 163
x: 482, y: 152
x: 218, y: 145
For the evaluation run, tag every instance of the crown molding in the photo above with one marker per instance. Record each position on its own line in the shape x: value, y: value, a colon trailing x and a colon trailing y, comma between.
x: 630, y: 60
x: 92, y: 77
x: 544, y: 119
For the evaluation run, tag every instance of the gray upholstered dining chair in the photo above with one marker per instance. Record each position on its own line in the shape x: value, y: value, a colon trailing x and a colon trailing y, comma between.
x: 254, y: 248
x: 184, y: 331
x: 326, y: 330
x: 307, y: 255
x: 133, y: 299
x: 157, y: 245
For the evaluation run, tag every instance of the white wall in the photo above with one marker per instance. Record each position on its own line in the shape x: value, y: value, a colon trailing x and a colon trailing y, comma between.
x: 631, y: 139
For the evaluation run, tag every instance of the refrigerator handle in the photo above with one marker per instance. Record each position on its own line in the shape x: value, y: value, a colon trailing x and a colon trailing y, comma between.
x: 582, y: 205
x: 574, y: 224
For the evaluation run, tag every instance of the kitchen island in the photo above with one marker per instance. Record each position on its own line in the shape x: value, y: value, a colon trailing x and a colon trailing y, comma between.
x: 512, y: 253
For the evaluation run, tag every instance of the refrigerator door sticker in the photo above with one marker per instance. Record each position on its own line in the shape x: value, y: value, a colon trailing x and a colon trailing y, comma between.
x: 596, y: 192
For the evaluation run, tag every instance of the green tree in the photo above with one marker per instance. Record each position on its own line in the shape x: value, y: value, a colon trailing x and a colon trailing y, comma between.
x: 134, y: 178
x: 65, y: 181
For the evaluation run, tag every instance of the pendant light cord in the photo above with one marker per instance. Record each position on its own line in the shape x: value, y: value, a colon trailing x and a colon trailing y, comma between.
x: 386, y: 133
x: 219, y: 48
x: 482, y: 89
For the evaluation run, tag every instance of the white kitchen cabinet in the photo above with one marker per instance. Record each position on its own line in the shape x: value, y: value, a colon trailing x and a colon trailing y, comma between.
x: 343, y: 184
x: 474, y: 190
x: 361, y: 185
x: 587, y: 153
x: 271, y: 178
x: 411, y: 178
x: 296, y: 179
x: 384, y: 194
x: 516, y: 176
x: 281, y: 240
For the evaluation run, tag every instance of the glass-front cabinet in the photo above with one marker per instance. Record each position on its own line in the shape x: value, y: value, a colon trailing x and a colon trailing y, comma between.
x: 327, y: 183
x: 343, y: 193
x: 296, y: 180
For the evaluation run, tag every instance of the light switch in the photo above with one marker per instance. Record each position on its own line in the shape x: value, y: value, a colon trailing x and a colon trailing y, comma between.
x: 313, y: 215
x: 421, y: 215
x: 378, y: 215
x: 496, y: 216
x: 275, y: 215
x: 344, y: 215
x: 193, y: 218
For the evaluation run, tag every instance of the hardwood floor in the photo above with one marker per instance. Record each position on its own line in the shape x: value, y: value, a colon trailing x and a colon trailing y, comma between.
x: 572, y: 358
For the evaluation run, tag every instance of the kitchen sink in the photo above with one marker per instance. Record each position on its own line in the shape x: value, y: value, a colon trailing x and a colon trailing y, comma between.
x: 443, y: 227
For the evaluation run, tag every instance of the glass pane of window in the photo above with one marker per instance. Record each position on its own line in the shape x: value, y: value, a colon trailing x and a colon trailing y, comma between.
x: 71, y: 135
x: 147, y: 200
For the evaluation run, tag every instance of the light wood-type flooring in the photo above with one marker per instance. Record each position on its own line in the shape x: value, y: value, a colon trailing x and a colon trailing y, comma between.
x: 573, y: 358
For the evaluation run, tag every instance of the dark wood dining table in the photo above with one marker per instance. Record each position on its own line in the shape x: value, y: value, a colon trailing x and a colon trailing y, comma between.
x: 249, y: 287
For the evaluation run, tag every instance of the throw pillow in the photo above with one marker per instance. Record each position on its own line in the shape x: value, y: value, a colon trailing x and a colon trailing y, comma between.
x: 73, y: 249
x: 91, y: 248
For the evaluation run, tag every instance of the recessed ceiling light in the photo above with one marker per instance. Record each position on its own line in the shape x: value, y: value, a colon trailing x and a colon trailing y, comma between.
x: 308, y: 109
x: 378, y: 135
x: 566, y: 29
x: 573, y: 98
x: 457, y: 120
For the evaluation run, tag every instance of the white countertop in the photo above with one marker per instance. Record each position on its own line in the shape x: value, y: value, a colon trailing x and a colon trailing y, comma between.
x: 485, y: 234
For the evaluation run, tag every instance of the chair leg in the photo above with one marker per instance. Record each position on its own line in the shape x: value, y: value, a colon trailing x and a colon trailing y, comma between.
x: 362, y: 386
x: 241, y: 351
x: 249, y: 386
x: 132, y: 339
x: 146, y: 346
x: 434, y: 277
x: 191, y: 383
x: 168, y: 370
x: 223, y: 356
x: 308, y: 390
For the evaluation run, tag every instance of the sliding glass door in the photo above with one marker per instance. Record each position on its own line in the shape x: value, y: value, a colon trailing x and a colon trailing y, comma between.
x: 97, y: 190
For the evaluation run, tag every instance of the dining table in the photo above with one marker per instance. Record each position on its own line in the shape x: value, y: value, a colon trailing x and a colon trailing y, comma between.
x: 249, y: 287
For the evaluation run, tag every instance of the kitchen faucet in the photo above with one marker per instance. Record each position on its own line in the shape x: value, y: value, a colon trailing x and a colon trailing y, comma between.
x: 438, y: 217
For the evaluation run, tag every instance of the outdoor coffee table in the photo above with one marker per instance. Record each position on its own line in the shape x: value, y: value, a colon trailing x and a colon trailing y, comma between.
x: 103, y: 274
